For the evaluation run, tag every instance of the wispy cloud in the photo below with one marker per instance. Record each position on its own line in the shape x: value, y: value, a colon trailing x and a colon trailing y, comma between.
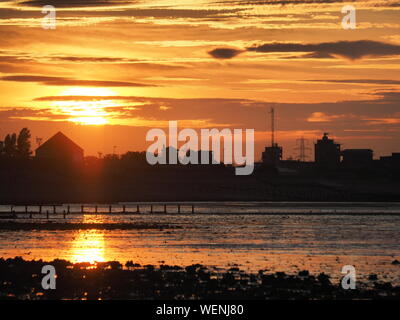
x: 360, y: 81
x: 60, y: 81
x: 76, y: 3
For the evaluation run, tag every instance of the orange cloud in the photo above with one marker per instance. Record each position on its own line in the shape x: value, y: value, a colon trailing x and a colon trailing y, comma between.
x: 323, y: 117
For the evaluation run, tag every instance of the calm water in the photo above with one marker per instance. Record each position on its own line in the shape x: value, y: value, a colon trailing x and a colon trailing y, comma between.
x: 248, y: 239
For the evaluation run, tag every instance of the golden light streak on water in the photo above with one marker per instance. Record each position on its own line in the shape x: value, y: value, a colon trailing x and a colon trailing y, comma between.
x: 88, y: 245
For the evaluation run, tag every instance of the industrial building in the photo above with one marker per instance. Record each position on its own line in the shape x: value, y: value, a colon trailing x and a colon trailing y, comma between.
x: 357, y: 158
x: 391, y: 162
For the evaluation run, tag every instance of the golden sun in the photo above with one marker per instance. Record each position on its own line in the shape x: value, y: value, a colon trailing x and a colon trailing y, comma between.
x: 92, y: 112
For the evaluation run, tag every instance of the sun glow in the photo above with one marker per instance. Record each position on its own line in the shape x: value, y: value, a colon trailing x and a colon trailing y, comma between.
x: 85, y: 112
x: 88, y: 245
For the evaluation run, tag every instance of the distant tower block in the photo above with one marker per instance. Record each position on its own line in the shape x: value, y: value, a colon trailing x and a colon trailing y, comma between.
x: 273, y: 154
x: 303, y: 149
x: 327, y: 153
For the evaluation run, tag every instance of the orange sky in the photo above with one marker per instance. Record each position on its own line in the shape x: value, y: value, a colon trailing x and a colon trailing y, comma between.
x: 113, y: 69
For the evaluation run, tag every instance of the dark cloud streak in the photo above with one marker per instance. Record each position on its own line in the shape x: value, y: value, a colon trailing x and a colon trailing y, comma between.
x: 75, y: 3
x: 60, y: 81
x: 352, y: 50
x: 224, y: 53
x: 360, y: 81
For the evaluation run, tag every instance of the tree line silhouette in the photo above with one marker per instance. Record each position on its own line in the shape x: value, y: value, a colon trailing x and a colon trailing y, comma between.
x: 16, y: 146
x: 16, y: 156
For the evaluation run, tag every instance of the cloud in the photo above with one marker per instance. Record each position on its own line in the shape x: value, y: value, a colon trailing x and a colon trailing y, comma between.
x: 224, y: 53
x: 346, y: 49
x: 127, y: 8
x: 91, y: 59
x: 381, y: 3
x: 60, y: 81
x: 323, y: 117
x: 388, y: 96
x: 279, y: 2
x: 90, y: 98
x: 75, y: 3
x: 379, y: 121
x: 360, y: 81
x: 30, y: 114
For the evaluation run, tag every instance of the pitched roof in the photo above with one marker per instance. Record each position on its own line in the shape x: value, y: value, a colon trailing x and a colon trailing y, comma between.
x: 59, y: 139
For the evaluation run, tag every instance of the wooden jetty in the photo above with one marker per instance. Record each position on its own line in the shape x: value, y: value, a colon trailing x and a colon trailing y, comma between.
x: 54, y: 211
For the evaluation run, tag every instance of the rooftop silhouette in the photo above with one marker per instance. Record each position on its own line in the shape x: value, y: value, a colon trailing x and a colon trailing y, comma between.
x: 60, y: 146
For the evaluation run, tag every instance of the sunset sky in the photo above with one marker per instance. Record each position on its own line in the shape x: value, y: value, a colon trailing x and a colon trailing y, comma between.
x: 113, y: 69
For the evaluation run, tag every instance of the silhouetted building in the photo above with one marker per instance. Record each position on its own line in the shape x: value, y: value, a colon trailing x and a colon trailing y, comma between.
x: 391, y: 162
x: 396, y: 157
x: 357, y: 158
x: 385, y: 160
x: 60, y: 148
x: 327, y: 153
x: 204, y: 154
x: 272, y: 155
x: 199, y: 155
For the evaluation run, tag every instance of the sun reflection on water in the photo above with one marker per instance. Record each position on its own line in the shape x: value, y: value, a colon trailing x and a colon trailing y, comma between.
x: 88, y: 245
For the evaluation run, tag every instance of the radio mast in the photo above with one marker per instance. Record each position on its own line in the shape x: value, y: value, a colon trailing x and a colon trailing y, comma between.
x: 272, y: 112
x: 302, y: 149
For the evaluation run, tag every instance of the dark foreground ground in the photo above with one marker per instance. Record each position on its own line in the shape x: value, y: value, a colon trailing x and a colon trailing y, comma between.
x: 20, y: 279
